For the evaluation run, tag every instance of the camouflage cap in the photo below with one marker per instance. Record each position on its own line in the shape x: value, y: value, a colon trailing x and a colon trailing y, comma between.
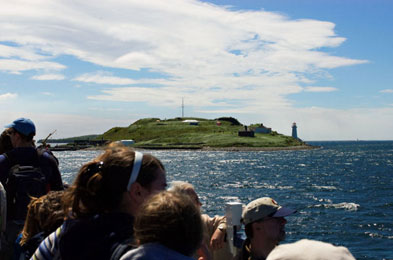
x: 264, y: 207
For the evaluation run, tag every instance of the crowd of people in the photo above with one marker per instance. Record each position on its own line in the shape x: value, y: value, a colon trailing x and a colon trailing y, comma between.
x: 119, y: 207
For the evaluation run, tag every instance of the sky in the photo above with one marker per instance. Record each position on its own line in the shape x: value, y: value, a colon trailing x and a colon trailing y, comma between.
x: 83, y: 67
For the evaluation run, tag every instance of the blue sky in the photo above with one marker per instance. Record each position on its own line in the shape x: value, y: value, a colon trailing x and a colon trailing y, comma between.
x: 82, y: 68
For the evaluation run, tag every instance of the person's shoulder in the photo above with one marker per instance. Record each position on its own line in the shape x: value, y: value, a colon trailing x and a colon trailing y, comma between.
x: 205, y: 218
x: 3, y: 158
x: 153, y: 251
x: 4, y: 161
x: 47, y: 157
x: 43, y: 153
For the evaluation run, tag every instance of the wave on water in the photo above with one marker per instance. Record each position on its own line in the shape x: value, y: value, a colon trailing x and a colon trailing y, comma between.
x: 324, y: 187
x: 324, y: 184
x: 377, y: 235
x: 227, y: 161
x: 258, y: 186
x: 234, y: 185
x: 350, y: 206
x: 230, y: 198
x: 273, y: 187
x: 322, y: 200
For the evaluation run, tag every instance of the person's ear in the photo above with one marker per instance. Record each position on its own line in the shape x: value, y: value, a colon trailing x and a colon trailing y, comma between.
x: 137, y: 193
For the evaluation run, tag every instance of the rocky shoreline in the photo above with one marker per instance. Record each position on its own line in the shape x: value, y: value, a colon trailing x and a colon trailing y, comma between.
x: 233, y: 149
x: 246, y: 149
x: 226, y: 149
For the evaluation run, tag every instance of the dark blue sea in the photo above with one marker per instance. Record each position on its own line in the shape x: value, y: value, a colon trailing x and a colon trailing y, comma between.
x: 343, y: 191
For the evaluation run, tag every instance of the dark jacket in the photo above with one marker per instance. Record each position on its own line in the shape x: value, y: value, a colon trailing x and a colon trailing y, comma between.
x: 28, y: 156
x: 154, y: 251
x: 47, y: 177
x: 95, y: 237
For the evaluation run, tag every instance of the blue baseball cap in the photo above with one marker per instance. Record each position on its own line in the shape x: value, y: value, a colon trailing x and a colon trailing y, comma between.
x: 23, y: 125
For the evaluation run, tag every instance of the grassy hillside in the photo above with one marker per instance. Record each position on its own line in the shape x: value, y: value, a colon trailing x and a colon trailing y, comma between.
x: 173, y: 133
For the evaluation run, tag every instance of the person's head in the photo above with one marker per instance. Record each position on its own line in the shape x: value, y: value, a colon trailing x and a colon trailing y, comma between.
x: 5, y: 141
x: 264, y: 218
x: 310, y: 250
x: 120, y: 179
x: 171, y: 219
x: 186, y: 188
x: 44, y: 214
x: 21, y: 131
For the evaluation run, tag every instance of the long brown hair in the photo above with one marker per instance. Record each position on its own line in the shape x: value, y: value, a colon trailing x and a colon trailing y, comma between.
x: 101, y: 183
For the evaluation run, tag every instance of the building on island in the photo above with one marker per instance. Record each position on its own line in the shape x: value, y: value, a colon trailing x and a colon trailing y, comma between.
x: 191, y: 121
x: 262, y: 129
x: 126, y: 142
x: 246, y: 132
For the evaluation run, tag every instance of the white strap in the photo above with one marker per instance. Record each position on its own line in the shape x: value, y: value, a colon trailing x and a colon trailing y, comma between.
x: 135, y: 169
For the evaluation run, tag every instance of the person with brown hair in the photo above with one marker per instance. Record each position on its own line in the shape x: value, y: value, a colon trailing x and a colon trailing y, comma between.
x: 44, y: 215
x: 214, y: 228
x: 101, y: 203
x: 264, y: 222
x: 168, y: 226
x: 5, y: 141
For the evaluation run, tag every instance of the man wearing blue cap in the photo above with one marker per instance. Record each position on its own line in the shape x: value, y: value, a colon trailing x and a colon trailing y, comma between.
x: 265, y: 227
x: 25, y: 172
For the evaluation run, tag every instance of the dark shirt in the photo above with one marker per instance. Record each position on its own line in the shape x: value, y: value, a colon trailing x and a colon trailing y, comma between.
x: 94, y: 237
x: 28, y: 156
x: 245, y: 252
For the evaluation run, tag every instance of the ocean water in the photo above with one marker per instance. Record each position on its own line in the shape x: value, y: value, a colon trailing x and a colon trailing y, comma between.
x: 343, y: 191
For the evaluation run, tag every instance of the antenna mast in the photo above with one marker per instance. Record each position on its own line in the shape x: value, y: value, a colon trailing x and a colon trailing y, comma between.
x: 182, y: 107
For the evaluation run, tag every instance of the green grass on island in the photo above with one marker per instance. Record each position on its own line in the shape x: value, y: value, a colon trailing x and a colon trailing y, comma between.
x: 155, y: 133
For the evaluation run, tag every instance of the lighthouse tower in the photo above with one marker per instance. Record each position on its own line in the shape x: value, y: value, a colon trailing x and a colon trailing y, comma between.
x: 294, y: 130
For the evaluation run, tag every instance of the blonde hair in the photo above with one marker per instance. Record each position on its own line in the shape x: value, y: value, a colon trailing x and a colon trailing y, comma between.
x: 44, y: 214
x: 171, y: 219
x: 181, y: 186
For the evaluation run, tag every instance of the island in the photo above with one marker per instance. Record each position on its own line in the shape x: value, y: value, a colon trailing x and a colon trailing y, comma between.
x: 225, y: 133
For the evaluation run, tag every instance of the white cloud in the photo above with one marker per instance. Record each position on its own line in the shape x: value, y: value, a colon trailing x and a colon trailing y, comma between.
x: 47, y: 93
x: 23, y: 52
x: 204, y: 51
x: 221, y: 61
x: 252, y: 99
x: 104, y: 78
x: 320, y: 89
x: 100, y: 109
x: 17, y: 66
x: 49, y: 77
x: 8, y: 96
x: 386, y: 91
